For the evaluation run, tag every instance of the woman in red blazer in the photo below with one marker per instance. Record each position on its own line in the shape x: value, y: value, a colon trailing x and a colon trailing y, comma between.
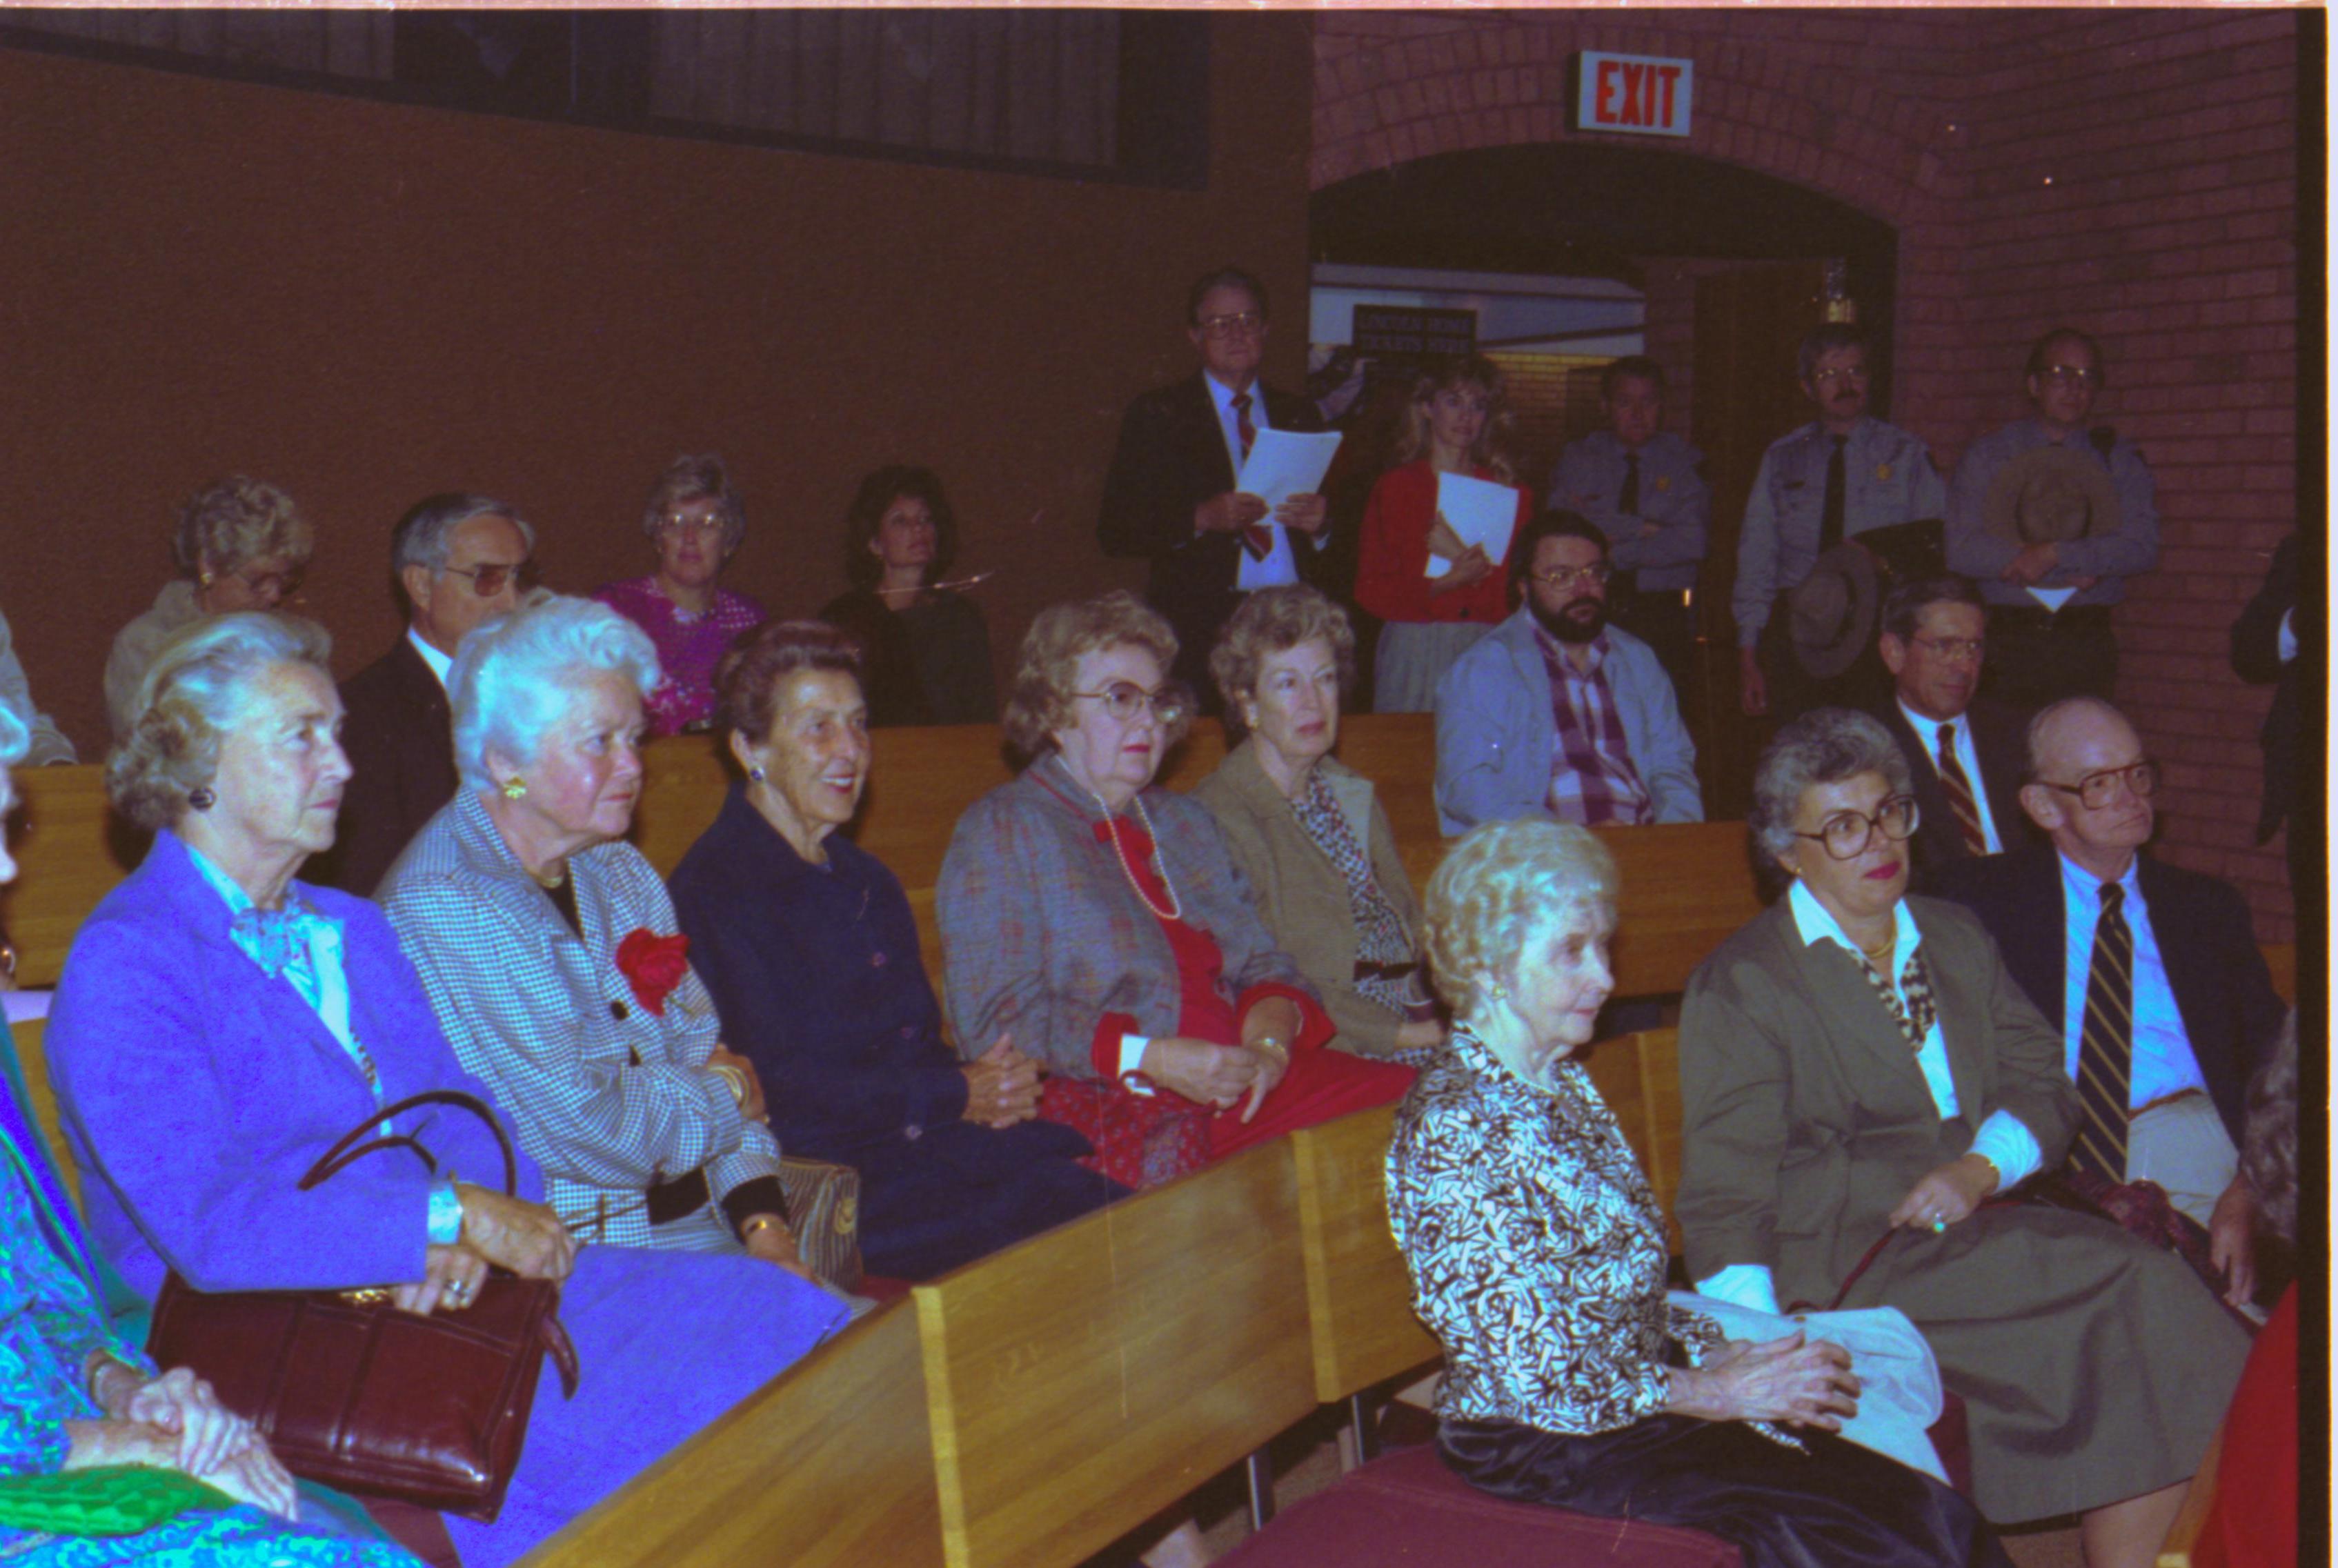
x: 1458, y: 423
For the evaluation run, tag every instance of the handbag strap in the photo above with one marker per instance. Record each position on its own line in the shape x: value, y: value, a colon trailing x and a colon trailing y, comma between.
x: 355, y: 1144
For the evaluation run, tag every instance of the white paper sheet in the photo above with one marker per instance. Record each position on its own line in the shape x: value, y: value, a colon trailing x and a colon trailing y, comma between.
x: 1287, y: 463
x: 1480, y: 511
x: 2052, y: 598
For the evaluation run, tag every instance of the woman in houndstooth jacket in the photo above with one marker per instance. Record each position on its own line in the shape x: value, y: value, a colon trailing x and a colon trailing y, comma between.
x: 220, y: 1023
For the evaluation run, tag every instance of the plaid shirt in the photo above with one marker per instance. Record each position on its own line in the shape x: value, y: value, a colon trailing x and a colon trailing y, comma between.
x: 1591, y: 778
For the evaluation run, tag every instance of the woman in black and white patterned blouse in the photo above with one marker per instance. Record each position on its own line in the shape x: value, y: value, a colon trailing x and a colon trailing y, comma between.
x: 1537, y: 1257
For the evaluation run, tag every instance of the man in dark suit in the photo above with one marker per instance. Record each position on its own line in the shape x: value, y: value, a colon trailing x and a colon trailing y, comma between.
x: 2150, y: 972
x: 1964, y: 754
x: 1170, y: 496
x: 2266, y: 648
x: 459, y: 560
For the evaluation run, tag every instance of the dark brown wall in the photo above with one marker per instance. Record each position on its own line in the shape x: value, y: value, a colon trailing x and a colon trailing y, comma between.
x: 366, y: 302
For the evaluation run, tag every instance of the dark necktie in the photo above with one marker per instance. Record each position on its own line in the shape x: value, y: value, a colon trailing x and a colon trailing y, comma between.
x: 1959, y: 790
x: 1627, y: 500
x: 1256, y: 538
x: 1830, y: 513
x: 2107, y: 1044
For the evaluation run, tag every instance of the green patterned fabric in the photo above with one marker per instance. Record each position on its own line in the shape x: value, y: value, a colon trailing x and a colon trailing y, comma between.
x: 102, y: 1500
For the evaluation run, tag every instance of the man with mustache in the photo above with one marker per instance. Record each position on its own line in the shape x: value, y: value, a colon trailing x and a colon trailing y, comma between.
x: 1555, y: 713
x: 2151, y: 973
x: 1843, y: 475
x: 1964, y: 752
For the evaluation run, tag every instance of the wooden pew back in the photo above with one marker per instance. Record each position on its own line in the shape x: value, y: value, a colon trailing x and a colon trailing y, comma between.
x: 829, y: 1466
x: 1359, y: 1292
x: 1085, y: 1379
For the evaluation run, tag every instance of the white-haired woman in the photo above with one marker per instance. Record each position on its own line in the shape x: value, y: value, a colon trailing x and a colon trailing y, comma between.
x: 240, y: 545
x: 695, y: 520
x: 553, y: 958
x: 1537, y: 1257
x: 220, y: 1023
x: 1857, y: 1066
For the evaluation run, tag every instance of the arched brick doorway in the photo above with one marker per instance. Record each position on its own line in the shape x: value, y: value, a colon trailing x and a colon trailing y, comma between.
x: 1735, y: 265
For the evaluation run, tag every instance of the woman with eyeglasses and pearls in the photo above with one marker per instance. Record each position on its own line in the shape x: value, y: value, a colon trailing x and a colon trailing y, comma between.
x: 1459, y: 422
x: 1104, y: 924
x: 241, y: 544
x: 695, y: 520
x: 925, y: 647
x: 1860, y: 1074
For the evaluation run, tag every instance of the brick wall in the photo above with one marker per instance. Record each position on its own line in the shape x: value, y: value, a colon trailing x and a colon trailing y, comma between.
x: 2133, y: 172
x: 1554, y: 400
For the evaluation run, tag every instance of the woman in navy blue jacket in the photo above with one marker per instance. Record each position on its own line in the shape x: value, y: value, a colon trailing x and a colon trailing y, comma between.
x: 807, y: 944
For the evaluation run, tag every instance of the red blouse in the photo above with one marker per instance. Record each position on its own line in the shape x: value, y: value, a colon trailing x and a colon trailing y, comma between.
x: 1391, y: 566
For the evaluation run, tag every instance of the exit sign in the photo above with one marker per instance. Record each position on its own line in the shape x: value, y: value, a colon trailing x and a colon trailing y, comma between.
x: 1640, y: 95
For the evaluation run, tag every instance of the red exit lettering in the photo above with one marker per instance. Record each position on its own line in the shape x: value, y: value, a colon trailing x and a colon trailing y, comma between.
x: 1604, y: 111
x: 1635, y: 94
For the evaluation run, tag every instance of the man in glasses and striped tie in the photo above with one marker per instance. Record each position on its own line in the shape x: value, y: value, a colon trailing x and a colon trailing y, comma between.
x: 2151, y: 972
x: 1964, y: 754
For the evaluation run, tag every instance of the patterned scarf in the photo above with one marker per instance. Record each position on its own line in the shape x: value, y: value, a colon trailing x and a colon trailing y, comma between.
x: 1379, y: 931
x: 1916, y: 1018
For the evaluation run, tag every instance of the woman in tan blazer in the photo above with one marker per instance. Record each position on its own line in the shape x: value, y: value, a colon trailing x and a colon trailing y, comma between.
x: 1858, y: 1069
x: 1309, y: 838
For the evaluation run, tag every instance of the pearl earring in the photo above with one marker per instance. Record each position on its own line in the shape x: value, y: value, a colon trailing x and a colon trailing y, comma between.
x: 202, y: 798
x: 514, y: 787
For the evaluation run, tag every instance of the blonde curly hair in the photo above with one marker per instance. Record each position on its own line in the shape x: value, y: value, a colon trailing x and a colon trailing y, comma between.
x: 1496, y: 888
x: 1047, y: 668
x: 232, y: 522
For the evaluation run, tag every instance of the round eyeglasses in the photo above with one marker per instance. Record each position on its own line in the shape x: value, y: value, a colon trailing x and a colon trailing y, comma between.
x: 1847, y: 834
x: 1123, y: 700
x: 2098, y: 789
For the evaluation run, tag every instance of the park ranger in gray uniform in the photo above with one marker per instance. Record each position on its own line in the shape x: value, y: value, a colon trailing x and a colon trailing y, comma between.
x: 2038, y: 655
x: 1639, y: 483
x: 1834, y: 479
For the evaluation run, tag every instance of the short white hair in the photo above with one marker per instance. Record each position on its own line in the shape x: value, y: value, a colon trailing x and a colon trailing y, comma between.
x: 1498, y: 888
x: 516, y: 676
x: 194, y: 694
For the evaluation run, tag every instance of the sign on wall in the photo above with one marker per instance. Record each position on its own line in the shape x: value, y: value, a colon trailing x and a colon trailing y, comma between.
x: 1413, y: 329
x: 1638, y: 94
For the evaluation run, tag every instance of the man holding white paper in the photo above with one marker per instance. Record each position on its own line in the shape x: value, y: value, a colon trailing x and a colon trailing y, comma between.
x: 2049, y: 615
x: 1175, y: 494
x: 1556, y: 713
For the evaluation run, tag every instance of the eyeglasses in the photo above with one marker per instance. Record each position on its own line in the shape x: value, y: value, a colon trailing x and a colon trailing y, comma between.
x: 2069, y: 376
x: 1955, y: 650
x: 486, y: 581
x: 1246, y: 322
x: 1125, y: 700
x: 681, y: 523
x: 2097, y: 790
x: 1856, y: 374
x: 1562, y: 577
x: 1847, y: 834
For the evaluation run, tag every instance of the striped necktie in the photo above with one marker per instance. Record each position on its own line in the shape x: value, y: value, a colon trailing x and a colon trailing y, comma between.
x: 1257, y: 538
x: 1959, y: 790
x: 2107, y: 1044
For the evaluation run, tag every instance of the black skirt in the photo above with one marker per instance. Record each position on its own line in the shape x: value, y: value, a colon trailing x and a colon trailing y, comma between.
x: 1837, y: 1506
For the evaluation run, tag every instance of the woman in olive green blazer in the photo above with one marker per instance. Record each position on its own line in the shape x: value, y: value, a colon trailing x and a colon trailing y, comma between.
x: 1314, y: 843
x: 1857, y: 1064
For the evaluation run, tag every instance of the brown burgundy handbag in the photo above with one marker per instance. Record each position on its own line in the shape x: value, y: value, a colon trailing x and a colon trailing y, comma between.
x: 354, y: 1393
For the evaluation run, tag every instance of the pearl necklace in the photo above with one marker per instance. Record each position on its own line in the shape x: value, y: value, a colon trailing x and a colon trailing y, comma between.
x: 1176, y: 910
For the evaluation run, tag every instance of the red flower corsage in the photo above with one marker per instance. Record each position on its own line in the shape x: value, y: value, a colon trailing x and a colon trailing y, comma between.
x: 653, y: 966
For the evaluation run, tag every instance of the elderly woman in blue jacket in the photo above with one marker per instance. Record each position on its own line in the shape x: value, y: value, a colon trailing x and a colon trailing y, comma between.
x: 219, y: 1024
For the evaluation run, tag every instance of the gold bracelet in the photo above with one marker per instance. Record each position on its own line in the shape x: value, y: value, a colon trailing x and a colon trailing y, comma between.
x: 733, y: 1077
x: 1274, y: 1047
x: 758, y: 1223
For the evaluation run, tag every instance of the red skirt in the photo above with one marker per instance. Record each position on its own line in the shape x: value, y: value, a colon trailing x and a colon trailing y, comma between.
x: 1144, y: 1140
